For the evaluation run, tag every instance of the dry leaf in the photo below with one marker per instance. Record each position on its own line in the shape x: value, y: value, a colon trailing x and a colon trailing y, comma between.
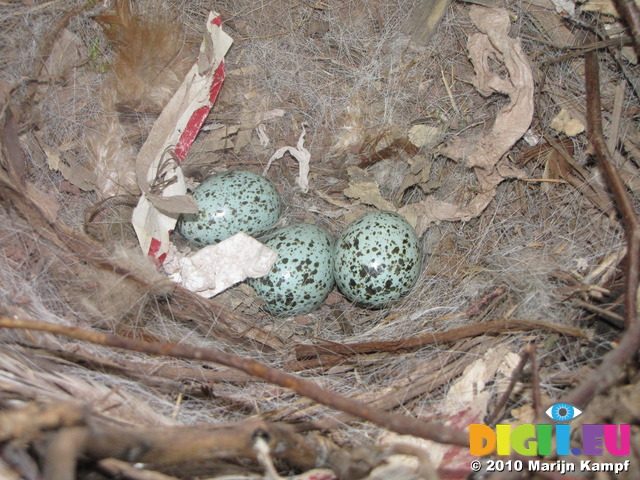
x: 485, y: 154
x: 351, y: 132
x: 364, y: 189
x: 261, y: 129
x: 13, y: 158
x: 420, y: 174
x: 563, y: 122
x: 565, y: 6
x: 67, y: 52
x: 217, y: 139
x: 425, y: 135
x: 71, y: 170
x: 245, y: 131
x: 466, y: 402
x: 605, y: 7
x: 629, y: 54
x: 474, y: 379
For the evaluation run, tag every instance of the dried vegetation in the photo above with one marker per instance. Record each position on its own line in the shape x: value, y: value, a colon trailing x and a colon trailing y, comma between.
x: 109, y: 370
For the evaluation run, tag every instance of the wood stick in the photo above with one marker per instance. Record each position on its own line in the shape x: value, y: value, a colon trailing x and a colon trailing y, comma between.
x: 614, y: 181
x: 491, y: 327
x: 27, y: 422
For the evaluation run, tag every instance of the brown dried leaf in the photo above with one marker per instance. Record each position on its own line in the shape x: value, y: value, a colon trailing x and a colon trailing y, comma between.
x: 485, y: 154
x: 13, y: 158
x: 364, y: 189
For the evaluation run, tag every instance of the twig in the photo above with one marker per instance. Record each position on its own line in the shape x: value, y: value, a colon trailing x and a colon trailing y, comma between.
x: 119, y: 469
x: 197, y: 450
x: 472, y: 330
x: 614, y: 180
x: 613, y: 317
x: 25, y: 423
x: 91, y: 212
x: 631, y: 13
x: 515, y: 376
x: 62, y: 452
x: 535, y: 380
x: 476, y: 307
x: 394, y: 422
x: 616, y: 115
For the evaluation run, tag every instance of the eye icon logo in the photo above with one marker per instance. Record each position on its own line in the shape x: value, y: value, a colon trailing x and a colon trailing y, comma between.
x: 562, y: 412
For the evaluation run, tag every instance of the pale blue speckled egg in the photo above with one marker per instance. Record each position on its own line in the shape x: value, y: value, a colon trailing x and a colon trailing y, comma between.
x: 231, y: 202
x: 377, y: 259
x: 302, y: 276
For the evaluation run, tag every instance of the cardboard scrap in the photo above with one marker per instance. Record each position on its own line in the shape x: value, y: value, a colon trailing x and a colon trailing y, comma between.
x: 485, y: 154
x: 215, y: 268
x: 158, y: 168
x: 303, y: 157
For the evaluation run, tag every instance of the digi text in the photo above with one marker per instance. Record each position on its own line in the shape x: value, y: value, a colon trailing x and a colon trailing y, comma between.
x: 559, y: 466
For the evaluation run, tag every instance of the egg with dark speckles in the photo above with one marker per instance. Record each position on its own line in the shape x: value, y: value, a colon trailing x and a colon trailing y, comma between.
x: 228, y: 203
x: 302, y: 276
x: 377, y: 259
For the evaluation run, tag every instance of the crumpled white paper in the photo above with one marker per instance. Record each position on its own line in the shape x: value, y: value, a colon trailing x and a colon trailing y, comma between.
x: 303, y: 157
x: 215, y: 268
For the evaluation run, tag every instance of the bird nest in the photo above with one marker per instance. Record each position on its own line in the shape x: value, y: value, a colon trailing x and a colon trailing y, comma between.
x: 505, y: 133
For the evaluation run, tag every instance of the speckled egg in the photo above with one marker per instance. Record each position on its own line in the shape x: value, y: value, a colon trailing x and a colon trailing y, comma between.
x: 229, y: 203
x: 302, y: 276
x: 377, y: 259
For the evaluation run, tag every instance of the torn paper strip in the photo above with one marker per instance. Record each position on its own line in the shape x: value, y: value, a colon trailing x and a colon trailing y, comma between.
x: 261, y: 129
x: 158, y: 170
x: 215, y: 268
x: 303, y: 157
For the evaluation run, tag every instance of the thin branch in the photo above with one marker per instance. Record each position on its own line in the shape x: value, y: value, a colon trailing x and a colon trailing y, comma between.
x: 394, y: 422
x: 614, y: 180
x: 535, y: 379
x: 473, y: 330
x: 515, y: 376
x: 27, y: 422
x: 631, y: 13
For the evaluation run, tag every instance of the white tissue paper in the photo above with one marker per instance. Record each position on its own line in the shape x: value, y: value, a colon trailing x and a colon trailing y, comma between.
x: 217, y: 267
